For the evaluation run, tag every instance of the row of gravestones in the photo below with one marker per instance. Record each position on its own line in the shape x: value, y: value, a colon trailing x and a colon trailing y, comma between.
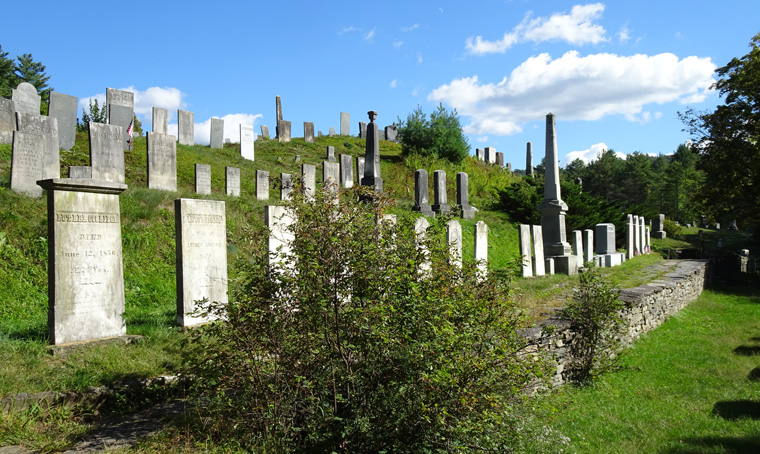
x: 596, y: 245
x: 440, y: 197
x: 25, y: 100
x: 86, y: 283
x: 489, y: 155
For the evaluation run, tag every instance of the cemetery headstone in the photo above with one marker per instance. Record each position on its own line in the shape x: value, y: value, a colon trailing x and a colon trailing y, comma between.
x: 25, y: 99
x: 246, y: 142
x: 500, y: 159
x: 7, y: 120
x: 578, y: 246
x: 454, y: 241
x: 278, y: 220
x: 636, y: 236
x: 658, y: 226
x: 26, y: 164
x: 345, y: 124
x: 490, y: 155
x: 309, y: 173
x: 160, y: 120
x: 162, y: 161
x: 286, y: 186
x: 107, y: 152
x: 630, y: 244
x: 539, y: 262
x: 331, y: 176
x: 122, y: 116
x: 480, y: 154
x: 359, y: 168
x: 217, y: 133
x: 731, y: 225
x: 308, y: 132
x: 330, y: 154
x: 346, y: 171
x: 45, y: 129
x: 372, y: 155
x: 85, y: 272
x: 332, y: 132
x: 391, y: 133
x: 604, y: 235
x: 362, y: 130
x: 420, y: 234
x: 64, y: 109
x: 463, y: 196
x: 262, y: 185
x: 80, y: 172
x: 440, y: 197
x: 481, y: 248
x: 116, y: 97
x: 185, y: 127
x: 509, y: 167
x: 421, y: 201
x: 526, y: 264
x: 588, y: 245
x: 201, y: 235
x: 265, y: 131
x: 203, y: 179
x: 278, y: 112
x: 550, y: 266
x: 283, y: 131
x: 232, y: 181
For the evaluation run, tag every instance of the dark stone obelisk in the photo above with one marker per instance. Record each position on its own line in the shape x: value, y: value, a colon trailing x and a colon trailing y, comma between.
x: 372, y: 155
x: 529, y: 160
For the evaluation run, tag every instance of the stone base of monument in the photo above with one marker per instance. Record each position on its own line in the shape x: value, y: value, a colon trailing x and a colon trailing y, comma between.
x: 442, y: 208
x: 660, y: 235
x: 565, y: 264
x: 468, y: 212
x: 426, y: 210
x: 69, y: 347
x: 609, y: 260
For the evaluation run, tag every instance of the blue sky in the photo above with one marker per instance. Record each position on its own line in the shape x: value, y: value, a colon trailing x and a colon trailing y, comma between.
x: 615, y: 74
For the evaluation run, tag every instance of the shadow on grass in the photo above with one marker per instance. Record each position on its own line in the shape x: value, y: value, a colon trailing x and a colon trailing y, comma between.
x: 747, y: 350
x: 705, y: 445
x: 754, y: 374
x: 737, y: 409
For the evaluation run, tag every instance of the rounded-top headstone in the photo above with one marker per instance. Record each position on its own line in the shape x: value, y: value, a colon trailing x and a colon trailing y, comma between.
x: 372, y: 115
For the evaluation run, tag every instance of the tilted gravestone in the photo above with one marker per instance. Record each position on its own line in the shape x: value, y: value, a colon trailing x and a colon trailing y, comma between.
x: 345, y: 124
x: 309, y: 173
x: 7, y: 120
x: 26, y: 164
x: 107, y: 152
x: 122, y: 116
x: 232, y: 181
x: 283, y: 131
x: 160, y: 120
x: 440, y: 197
x: 217, y: 133
x: 26, y: 99
x: 346, y: 171
x: 262, y: 185
x: 162, y: 161
x: 201, y: 235
x: 526, y: 264
x: 45, y: 129
x: 421, y: 200
x: 203, y: 179
x: 308, y: 132
x: 64, y: 109
x: 454, y: 241
x: 80, y: 172
x: 463, y: 196
x: 85, y: 272
x: 265, y: 131
x: 286, y: 185
x: 185, y: 127
x: 481, y: 248
x: 246, y: 142
x: 116, y: 97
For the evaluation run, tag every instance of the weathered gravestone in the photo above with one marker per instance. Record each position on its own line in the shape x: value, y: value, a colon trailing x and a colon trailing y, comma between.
x: 246, y: 142
x: 372, y: 156
x: 549, y: 266
x: 480, y: 155
x: 604, y: 235
x: 185, y: 127
x: 463, y: 196
x: 26, y: 99
x: 217, y: 133
x: 331, y: 176
x: 658, y: 226
x: 391, y: 133
x: 345, y: 124
x: 577, y: 236
x: 500, y: 159
x: 64, y: 109
x: 440, y: 197
x: 332, y: 132
x: 7, y: 120
x: 283, y: 131
x: 309, y: 173
x: 107, y: 152
x: 45, y: 129
x: 122, y: 116
x: 454, y: 241
x: 630, y: 244
x: 481, y: 248
x: 362, y: 130
x: 359, y: 168
x: 330, y: 154
x: 262, y: 185
x: 85, y: 274
x: 278, y: 220
x: 526, y: 264
x: 308, y: 132
x: 539, y: 262
x: 636, y: 236
x: 265, y: 131
x: 421, y: 200
x: 160, y: 120
x: 26, y: 164
x: 162, y: 161
x: 80, y: 172
x: 588, y: 245
x: 490, y: 155
x: 420, y: 235
x: 286, y: 185
x: 346, y: 171
x: 232, y: 181
x: 203, y: 179
x: 201, y: 232
x: 116, y: 97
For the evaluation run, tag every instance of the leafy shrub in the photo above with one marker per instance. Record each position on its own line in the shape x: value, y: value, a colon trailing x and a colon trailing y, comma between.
x: 440, y: 136
x: 594, y: 312
x: 347, y: 345
x: 673, y: 230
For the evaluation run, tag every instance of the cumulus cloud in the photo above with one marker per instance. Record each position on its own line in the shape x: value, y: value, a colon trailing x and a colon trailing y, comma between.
x: 232, y: 122
x: 590, y: 154
x: 575, y: 88
x: 576, y: 28
x: 168, y: 98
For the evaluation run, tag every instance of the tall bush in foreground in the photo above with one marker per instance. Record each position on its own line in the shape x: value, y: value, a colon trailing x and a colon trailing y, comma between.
x: 439, y: 136
x: 365, y: 339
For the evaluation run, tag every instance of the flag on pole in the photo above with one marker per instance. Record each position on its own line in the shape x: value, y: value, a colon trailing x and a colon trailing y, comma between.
x: 130, y: 131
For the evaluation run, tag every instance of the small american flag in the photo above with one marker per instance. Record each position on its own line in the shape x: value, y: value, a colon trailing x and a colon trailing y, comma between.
x: 131, y: 128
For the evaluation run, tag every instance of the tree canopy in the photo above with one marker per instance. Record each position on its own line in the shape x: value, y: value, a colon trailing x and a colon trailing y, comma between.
x: 441, y: 135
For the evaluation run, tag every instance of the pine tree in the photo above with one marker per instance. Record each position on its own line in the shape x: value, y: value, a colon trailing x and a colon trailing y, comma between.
x: 7, y: 74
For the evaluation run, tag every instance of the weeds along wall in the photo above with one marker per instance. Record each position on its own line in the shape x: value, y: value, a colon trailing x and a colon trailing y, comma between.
x: 646, y: 307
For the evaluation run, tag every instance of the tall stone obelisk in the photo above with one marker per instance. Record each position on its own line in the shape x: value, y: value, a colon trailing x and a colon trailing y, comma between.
x: 553, y: 209
x: 372, y: 155
x: 529, y: 159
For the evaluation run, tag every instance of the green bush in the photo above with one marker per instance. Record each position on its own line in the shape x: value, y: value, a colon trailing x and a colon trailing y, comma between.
x: 440, y: 136
x: 348, y: 346
x: 673, y: 230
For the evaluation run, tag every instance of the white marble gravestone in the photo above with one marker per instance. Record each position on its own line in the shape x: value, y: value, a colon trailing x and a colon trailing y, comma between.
x: 201, y: 234
x: 185, y: 127
x: 217, y: 133
x: 162, y: 161
x: 26, y: 99
x: 45, y: 129
x: 247, y: 138
x: 107, y: 152
x: 160, y: 120
x: 203, y: 179
x: 539, y: 263
x: 26, y: 164
x: 262, y: 185
x: 64, y: 109
x: 85, y: 283
x: 279, y: 220
x: 481, y: 248
x: 454, y: 240
x: 232, y: 181
x: 526, y: 263
x: 309, y: 173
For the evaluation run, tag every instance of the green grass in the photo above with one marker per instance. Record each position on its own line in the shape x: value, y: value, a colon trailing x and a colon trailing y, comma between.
x: 691, y: 386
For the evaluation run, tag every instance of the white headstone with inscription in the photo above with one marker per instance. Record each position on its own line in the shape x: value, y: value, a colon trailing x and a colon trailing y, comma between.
x: 162, y: 161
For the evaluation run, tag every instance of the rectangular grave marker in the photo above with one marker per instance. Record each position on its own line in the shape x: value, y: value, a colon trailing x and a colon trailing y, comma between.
x: 203, y: 179
x: 232, y: 181
x: 185, y: 127
x: 286, y: 185
x: 440, y: 197
x: 118, y: 98
x: 217, y: 133
x: 309, y: 173
x: 345, y: 124
x: 526, y: 263
x: 246, y: 142
x: 162, y: 161
x: 26, y: 99
x: 421, y: 201
x: 7, y: 120
x: 64, y: 109
x: 265, y: 131
x: 604, y: 237
x: 262, y: 185
x: 160, y: 120
x: 26, y: 164
x: 481, y: 248
x: 362, y: 130
x: 331, y: 176
x: 45, y: 129
x: 539, y: 262
x: 201, y: 232
x: 454, y: 241
x: 85, y: 274
x: 308, y: 132
x: 278, y: 220
x: 346, y: 171
x: 107, y: 152
x: 283, y: 131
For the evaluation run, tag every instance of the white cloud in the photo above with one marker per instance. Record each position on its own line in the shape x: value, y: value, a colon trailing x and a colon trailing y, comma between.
x: 624, y: 34
x: 397, y: 44
x: 576, y: 28
x: 575, y: 88
x: 482, y: 139
x: 232, y: 122
x: 419, y: 57
x: 394, y: 83
x: 349, y: 30
x: 369, y: 35
x: 410, y: 28
x: 590, y: 154
x: 168, y: 98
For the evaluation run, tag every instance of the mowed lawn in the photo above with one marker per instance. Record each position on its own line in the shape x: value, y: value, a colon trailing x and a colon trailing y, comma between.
x: 690, y: 386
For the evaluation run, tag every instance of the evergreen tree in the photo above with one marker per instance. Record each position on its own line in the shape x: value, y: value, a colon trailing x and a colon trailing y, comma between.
x: 7, y: 74
x: 440, y: 136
